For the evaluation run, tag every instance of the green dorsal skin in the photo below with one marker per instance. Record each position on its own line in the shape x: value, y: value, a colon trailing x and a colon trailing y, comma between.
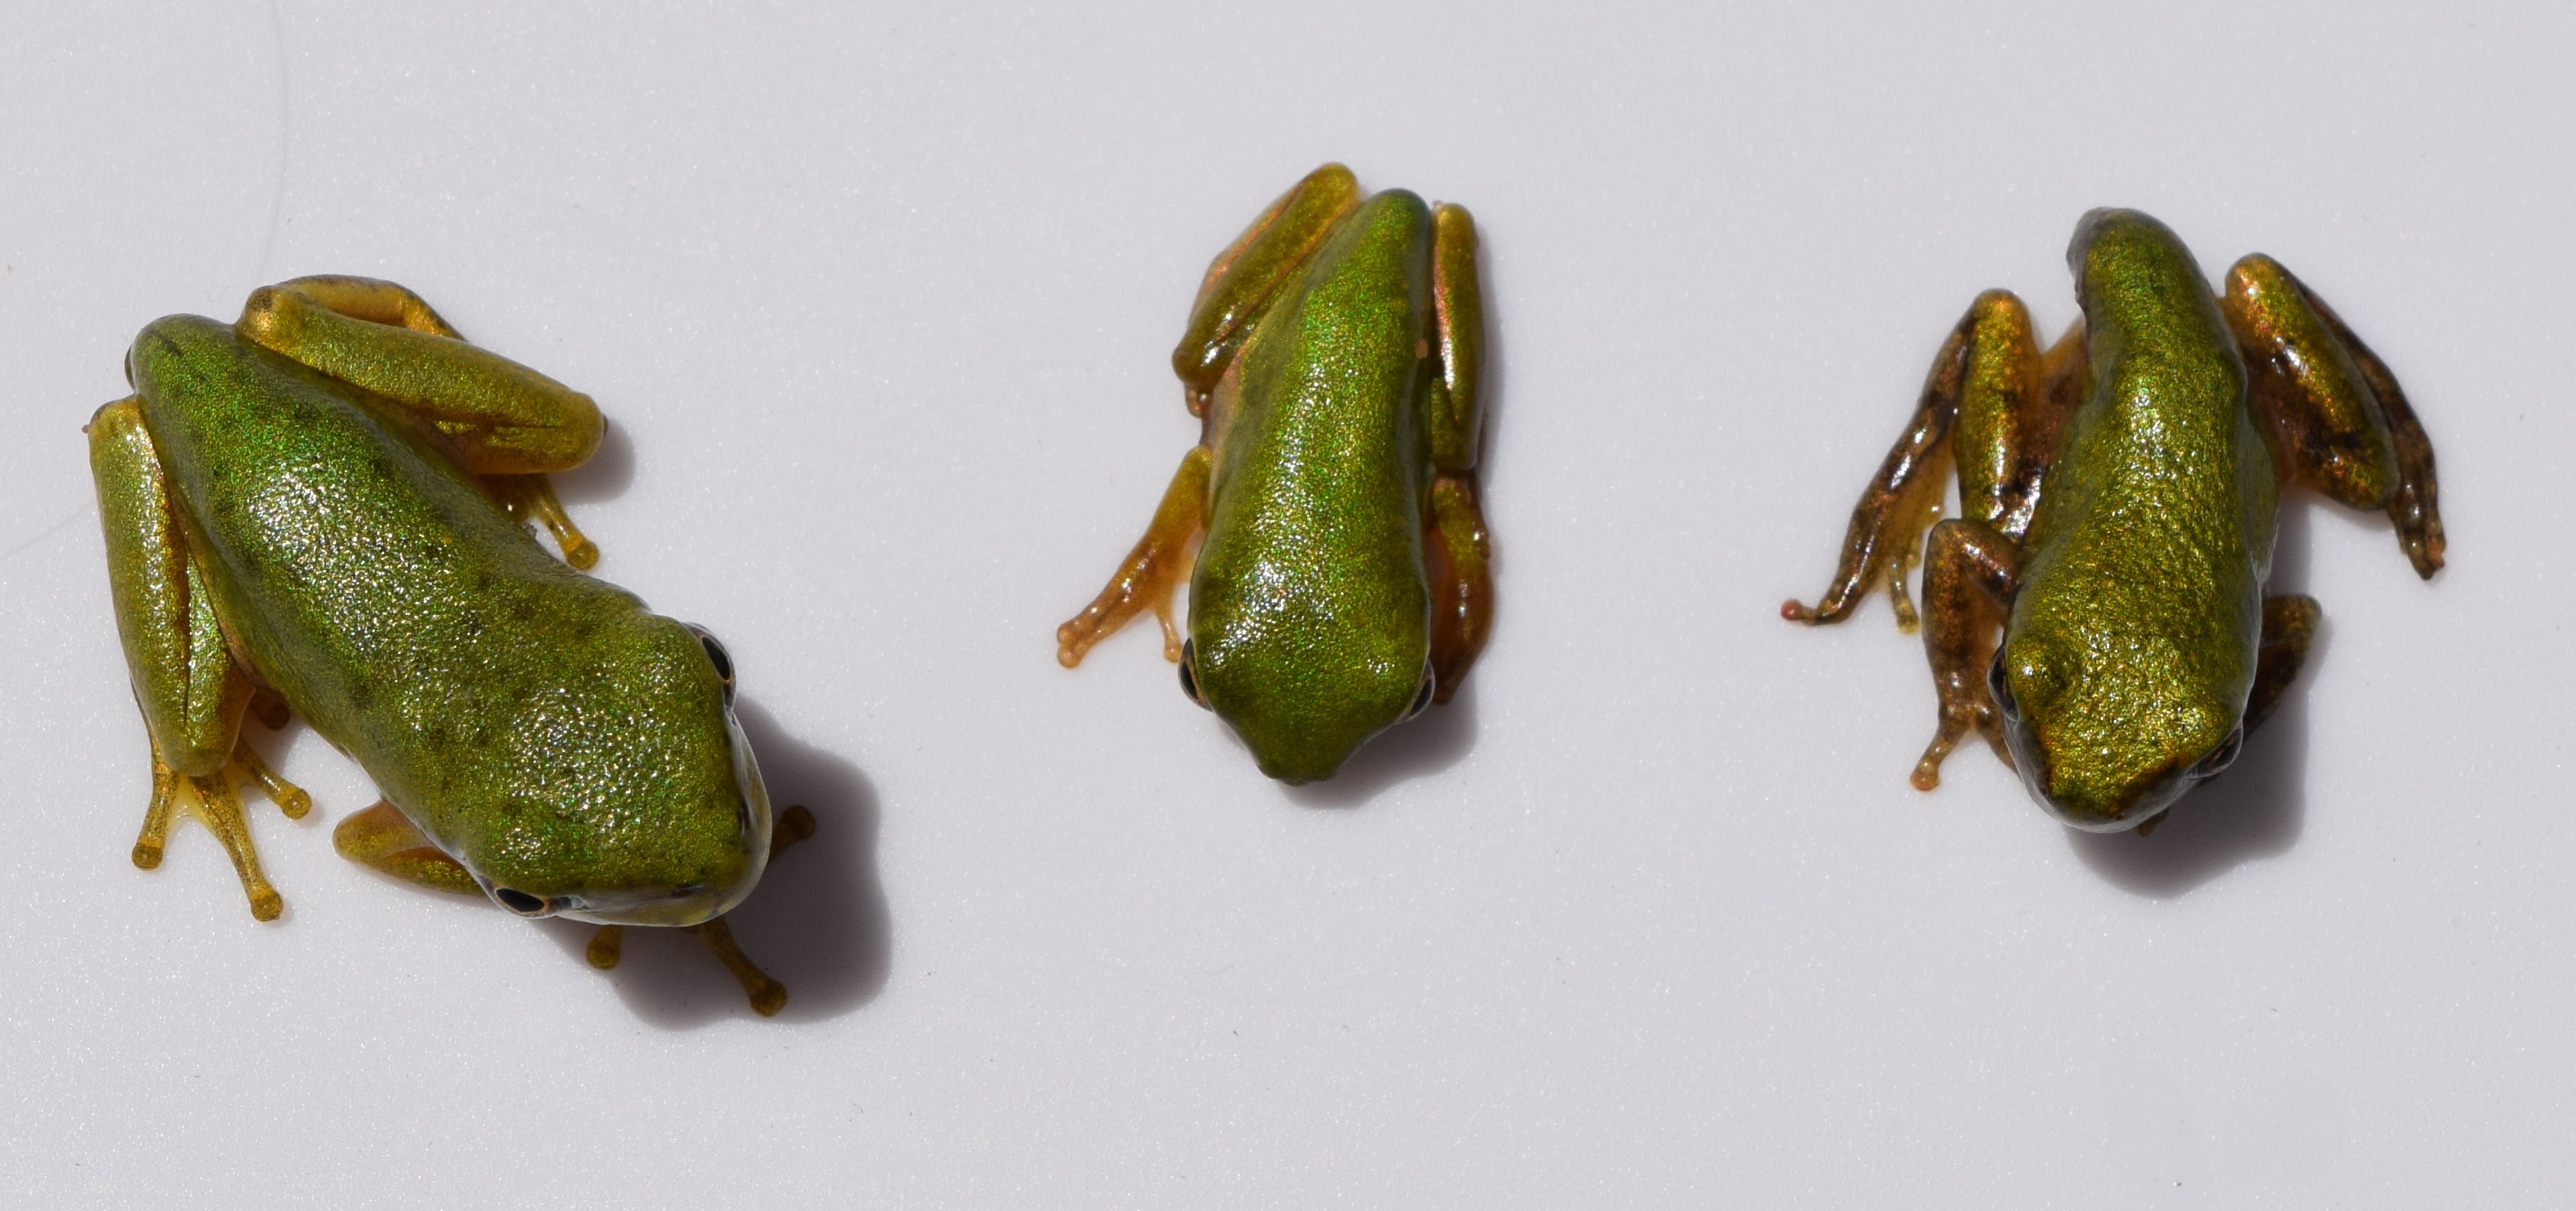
x: 1308, y: 612
x: 542, y: 728
x: 2131, y: 646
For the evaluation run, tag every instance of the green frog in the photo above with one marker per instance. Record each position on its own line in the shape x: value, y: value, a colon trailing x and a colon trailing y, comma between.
x: 2098, y: 611
x: 322, y: 508
x: 1342, y: 576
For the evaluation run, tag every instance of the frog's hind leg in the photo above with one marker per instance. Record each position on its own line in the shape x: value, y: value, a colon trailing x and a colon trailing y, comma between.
x: 502, y: 421
x: 191, y: 692
x: 2334, y: 416
x: 1244, y: 277
x: 1970, y: 571
x: 768, y: 996
x: 1152, y: 571
x: 1461, y: 550
x: 2289, y: 628
x: 1986, y: 383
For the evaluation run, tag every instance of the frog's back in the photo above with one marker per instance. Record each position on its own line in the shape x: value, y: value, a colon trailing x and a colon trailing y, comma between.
x: 2141, y: 591
x: 2163, y: 480
x: 1321, y: 462
x: 1309, y: 611
x: 360, y: 570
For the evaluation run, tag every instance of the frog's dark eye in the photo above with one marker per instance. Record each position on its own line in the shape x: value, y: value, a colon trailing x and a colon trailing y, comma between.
x: 1422, y: 696
x: 1999, y: 688
x: 522, y: 903
x: 2218, y: 760
x: 1189, y: 673
x: 716, y: 656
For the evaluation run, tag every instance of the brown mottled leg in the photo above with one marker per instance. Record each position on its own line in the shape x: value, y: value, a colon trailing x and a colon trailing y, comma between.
x: 1901, y: 499
x: 2335, y: 418
x: 1969, y: 574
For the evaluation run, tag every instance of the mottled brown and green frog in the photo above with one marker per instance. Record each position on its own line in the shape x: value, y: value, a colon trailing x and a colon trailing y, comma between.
x: 2098, y: 610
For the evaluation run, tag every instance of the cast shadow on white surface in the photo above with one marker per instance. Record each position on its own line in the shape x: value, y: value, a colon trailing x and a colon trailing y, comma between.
x: 1431, y: 742
x: 605, y: 477
x: 817, y: 923
x: 2258, y: 808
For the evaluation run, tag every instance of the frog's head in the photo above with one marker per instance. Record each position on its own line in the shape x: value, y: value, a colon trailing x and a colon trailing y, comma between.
x: 633, y: 800
x: 2100, y: 738
x: 1304, y: 690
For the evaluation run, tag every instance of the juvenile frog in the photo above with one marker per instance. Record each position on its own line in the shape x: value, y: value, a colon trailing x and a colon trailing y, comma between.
x: 2118, y: 495
x: 1341, y: 583
x: 319, y: 508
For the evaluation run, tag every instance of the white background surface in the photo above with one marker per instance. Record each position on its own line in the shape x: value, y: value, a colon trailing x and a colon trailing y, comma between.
x: 879, y: 304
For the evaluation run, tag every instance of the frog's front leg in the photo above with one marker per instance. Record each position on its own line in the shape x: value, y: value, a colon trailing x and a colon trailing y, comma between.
x: 186, y: 683
x: 2334, y: 416
x: 768, y: 996
x: 1462, y: 584
x: 503, y: 422
x: 1152, y: 571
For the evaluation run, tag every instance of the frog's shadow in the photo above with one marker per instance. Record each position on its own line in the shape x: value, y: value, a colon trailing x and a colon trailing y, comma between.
x: 605, y: 476
x: 2259, y: 807
x: 817, y: 923
x: 1433, y: 742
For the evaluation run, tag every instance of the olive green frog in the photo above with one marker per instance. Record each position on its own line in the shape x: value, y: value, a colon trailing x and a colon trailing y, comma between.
x: 322, y: 507
x: 1342, y: 579
x: 2118, y: 495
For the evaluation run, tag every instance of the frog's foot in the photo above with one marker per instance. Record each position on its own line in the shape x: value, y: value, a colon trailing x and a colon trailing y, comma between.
x: 1969, y: 575
x: 768, y: 996
x: 608, y: 945
x: 1152, y: 571
x: 211, y: 798
x: 288, y: 797
x: 532, y: 498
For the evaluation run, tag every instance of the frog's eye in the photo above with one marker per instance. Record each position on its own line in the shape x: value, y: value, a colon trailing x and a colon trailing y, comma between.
x: 715, y: 656
x: 526, y: 905
x: 1189, y: 673
x: 1422, y: 696
x: 2225, y: 755
x: 2000, y: 689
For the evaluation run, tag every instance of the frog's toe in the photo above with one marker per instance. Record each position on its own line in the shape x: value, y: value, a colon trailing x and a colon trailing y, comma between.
x: 768, y: 996
x: 212, y: 801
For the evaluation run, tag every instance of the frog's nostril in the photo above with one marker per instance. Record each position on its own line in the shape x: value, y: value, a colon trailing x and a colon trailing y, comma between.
x: 521, y: 902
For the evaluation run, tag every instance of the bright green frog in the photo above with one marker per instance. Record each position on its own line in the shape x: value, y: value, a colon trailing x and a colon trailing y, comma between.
x: 320, y: 507
x: 2119, y: 493
x: 1341, y: 585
